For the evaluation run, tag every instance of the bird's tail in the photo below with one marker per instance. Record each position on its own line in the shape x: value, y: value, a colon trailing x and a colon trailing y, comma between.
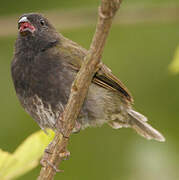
x: 139, y: 123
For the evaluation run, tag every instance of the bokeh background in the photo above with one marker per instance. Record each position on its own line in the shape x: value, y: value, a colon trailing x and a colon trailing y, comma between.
x: 139, y: 49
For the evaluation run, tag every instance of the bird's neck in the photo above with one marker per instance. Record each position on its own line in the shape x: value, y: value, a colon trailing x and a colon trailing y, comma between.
x: 32, y: 46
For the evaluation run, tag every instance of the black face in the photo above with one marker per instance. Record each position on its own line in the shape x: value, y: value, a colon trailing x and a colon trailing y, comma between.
x: 30, y: 24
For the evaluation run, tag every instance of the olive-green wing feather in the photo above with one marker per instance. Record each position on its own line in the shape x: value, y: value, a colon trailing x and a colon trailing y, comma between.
x: 74, y: 55
x: 105, y: 78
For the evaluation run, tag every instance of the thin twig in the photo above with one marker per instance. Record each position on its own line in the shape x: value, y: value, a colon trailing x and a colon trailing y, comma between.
x: 79, y: 89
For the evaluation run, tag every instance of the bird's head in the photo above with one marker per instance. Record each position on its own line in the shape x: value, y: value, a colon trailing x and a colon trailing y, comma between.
x: 33, y: 24
x: 35, y: 33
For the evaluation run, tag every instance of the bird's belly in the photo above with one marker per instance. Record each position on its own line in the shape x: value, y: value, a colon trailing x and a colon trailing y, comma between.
x: 42, y: 112
x: 45, y: 106
x: 99, y: 106
x: 95, y: 110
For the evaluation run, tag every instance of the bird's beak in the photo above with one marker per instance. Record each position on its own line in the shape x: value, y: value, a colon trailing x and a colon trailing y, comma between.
x: 25, y: 26
x: 23, y: 19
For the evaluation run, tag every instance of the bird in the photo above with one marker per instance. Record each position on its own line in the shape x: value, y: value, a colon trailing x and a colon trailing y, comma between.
x: 43, y: 68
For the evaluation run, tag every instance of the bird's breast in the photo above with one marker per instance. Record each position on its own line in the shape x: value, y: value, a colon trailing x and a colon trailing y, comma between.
x: 45, y: 76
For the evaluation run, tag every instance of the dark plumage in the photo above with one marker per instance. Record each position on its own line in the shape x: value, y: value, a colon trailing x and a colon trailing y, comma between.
x: 43, y: 69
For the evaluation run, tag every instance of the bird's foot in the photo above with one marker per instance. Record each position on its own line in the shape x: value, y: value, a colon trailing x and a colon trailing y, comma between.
x: 45, y: 162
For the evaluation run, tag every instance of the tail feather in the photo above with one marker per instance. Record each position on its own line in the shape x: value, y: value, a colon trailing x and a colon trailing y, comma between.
x: 138, y: 123
x: 137, y: 115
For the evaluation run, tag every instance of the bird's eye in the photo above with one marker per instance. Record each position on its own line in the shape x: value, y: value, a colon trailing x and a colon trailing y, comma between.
x: 42, y: 22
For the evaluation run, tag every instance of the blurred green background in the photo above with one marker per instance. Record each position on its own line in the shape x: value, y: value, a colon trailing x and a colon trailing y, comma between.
x: 139, y: 49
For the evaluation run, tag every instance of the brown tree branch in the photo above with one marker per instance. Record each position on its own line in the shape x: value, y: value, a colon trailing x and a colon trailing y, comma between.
x: 91, y: 64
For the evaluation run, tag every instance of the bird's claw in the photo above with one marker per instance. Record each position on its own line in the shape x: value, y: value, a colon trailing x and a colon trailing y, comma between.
x: 45, y: 162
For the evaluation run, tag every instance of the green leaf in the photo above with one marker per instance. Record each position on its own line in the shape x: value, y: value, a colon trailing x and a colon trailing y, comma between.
x: 25, y: 157
x: 174, y: 66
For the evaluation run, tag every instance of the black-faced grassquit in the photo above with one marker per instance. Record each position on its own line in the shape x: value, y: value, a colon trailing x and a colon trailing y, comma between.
x: 43, y: 68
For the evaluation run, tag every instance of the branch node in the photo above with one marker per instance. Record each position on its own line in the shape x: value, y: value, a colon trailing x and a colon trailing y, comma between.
x: 65, y: 155
x: 74, y: 87
x: 64, y: 134
x: 103, y: 15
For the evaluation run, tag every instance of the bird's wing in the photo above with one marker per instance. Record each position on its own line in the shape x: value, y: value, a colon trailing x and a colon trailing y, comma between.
x: 106, y: 79
x: 74, y: 55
